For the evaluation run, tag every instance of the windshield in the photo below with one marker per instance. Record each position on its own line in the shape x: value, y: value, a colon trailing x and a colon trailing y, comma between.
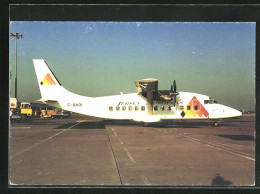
x: 211, y: 101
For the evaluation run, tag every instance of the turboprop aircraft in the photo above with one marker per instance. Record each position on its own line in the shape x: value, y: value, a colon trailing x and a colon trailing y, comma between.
x: 148, y: 105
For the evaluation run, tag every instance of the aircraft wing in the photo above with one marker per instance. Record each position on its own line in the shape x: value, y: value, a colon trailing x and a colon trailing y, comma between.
x: 54, y: 103
x: 46, y: 100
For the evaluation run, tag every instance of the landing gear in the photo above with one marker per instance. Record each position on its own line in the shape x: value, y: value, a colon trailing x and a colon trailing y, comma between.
x: 217, y: 123
x: 146, y: 124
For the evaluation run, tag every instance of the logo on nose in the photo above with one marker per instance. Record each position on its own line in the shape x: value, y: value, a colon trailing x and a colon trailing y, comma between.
x: 194, y: 108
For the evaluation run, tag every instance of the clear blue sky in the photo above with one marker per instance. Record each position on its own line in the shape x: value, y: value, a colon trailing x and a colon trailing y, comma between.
x: 105, y: 58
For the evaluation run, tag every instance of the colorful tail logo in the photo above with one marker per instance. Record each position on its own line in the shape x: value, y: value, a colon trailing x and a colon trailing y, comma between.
x: 194, y: 108
x: 47, y: 80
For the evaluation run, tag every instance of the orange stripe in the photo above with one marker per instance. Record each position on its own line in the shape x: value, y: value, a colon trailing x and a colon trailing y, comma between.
x: 48, y: 76
x: 52, y: 79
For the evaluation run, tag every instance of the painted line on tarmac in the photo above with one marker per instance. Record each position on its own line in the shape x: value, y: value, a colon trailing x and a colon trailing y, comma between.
x: 73, y: 125
x: 114, y: 132
x: 121, y: 142
x: 144, y: 178
x: 19, y: 127
x: 114, y: 159
x: 38, y: 143
x: 127, y: 152
x: 129, y: 155
x: 237, y: 153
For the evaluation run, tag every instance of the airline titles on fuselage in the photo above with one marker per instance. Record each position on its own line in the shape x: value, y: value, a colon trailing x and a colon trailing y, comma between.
x: 129, y: 103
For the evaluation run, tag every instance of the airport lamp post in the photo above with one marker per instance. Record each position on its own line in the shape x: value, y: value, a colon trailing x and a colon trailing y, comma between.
x: 17, y: 36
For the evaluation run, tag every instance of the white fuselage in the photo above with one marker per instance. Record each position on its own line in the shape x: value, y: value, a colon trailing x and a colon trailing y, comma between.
x: 134, y: 107
x: 129, y: 106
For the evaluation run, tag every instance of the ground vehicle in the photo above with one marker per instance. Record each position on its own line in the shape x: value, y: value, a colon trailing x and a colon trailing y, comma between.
x: 14, y: 112
x: 13, y: 103
x: 15, y: 116
x: 46, y: 111
x: 61, y: 114
x: 26, y: 110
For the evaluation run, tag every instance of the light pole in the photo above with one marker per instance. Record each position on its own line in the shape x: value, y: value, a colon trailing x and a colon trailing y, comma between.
x: 17, y: 36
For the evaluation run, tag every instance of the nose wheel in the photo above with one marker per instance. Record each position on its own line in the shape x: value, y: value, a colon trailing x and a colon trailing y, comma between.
x: 217, y: 123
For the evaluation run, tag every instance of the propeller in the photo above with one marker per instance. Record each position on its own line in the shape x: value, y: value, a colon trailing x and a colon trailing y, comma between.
x: 174, y: 85
x: 175, y: 93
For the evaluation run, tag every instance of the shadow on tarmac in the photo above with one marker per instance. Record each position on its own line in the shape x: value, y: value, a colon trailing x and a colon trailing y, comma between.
x: 238, y: 137
x: 102, y: 124
x: 220, y: 181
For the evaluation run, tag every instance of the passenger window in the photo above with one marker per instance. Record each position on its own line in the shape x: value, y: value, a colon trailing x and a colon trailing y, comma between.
x: 169, y: 108
x: 155, y: 108
x: 117, y: 108
x: 188, y: 107
x: 206, y: 101
x: 142, y: 108
x: 111, y: 108
x: 195, y: 107
x: 130, y: 108
x: 123, y: 108
x: 136, y: 108
x: 162, y: 108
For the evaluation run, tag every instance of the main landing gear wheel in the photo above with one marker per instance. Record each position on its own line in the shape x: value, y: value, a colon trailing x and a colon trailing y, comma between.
x: 146, y: 124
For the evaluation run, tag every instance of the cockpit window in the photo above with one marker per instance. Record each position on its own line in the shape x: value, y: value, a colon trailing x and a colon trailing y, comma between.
x: 211, y: 101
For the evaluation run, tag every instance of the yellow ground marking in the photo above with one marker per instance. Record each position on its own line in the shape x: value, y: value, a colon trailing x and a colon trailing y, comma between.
x: 129, y: 155
x: 127, y: 152
x: 114, y: 132
x: 121, y: 141
x: 81, y: 121
x: 73, y: 125
x: 38, y: 143
x: 144, y: 178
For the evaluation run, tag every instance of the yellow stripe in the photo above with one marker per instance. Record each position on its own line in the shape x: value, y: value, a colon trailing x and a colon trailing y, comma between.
x: 45, y: 81
x: 144, y: 178
x: 50, y: 79
x: 129, y: 155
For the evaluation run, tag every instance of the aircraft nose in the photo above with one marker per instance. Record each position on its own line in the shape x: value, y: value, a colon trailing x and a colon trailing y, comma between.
x: 237, y: 113
x: 234, y: 113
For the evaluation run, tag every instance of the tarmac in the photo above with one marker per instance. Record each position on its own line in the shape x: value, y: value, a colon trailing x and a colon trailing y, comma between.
x: 85, y: 151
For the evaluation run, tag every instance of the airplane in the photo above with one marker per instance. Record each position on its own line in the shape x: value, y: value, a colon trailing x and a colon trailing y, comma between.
x: 148, y: 105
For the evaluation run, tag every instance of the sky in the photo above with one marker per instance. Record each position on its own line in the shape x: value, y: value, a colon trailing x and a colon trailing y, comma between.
x: 105, y: 58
